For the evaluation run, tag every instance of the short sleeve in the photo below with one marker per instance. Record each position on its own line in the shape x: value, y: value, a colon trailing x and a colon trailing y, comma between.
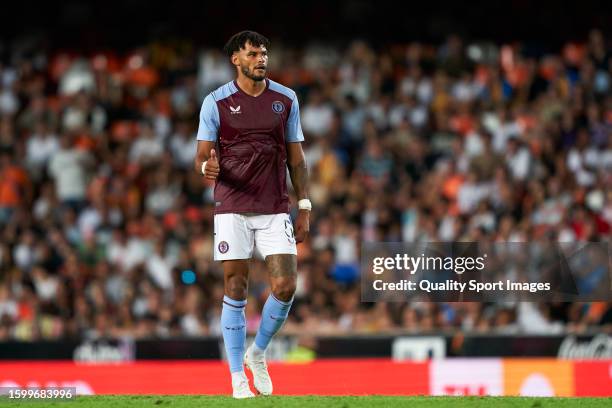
x: 294, y: 125
x: 209, y: 120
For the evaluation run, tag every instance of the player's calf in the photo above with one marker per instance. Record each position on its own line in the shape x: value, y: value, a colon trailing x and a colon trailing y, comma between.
x: 273, y: 316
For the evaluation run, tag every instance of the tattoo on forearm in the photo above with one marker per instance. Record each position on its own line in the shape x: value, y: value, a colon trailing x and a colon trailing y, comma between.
x: 299, y: 178
x: 282, y: 265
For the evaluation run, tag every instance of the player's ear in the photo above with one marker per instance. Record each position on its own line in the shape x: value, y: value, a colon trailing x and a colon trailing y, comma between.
x: 235, y: 59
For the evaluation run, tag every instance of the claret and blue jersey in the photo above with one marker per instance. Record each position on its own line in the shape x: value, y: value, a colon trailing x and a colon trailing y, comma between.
x: 251, y: 133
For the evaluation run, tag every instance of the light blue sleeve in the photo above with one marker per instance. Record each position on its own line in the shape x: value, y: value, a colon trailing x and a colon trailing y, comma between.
x: 294, y: 125
x: 209, y: 120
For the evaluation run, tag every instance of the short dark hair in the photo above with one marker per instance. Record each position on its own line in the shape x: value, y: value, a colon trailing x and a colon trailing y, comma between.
x: 239, y: 40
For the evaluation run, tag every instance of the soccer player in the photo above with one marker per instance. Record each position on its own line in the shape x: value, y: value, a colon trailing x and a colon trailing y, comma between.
x: 249, y: 134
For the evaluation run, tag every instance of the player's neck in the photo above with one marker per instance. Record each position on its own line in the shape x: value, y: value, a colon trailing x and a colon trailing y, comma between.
x: 250, y: 86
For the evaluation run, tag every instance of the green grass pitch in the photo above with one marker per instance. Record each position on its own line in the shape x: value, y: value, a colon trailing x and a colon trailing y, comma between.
x: 199, y: 401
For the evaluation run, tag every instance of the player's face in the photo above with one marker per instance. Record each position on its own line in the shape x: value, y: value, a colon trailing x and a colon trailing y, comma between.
x: 253, y: 61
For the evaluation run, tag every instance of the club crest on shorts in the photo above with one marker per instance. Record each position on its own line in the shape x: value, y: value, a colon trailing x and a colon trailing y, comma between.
x: 223, y: 247
x: 278, y: 107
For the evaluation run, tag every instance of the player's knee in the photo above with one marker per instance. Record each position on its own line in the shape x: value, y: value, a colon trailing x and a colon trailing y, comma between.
x: 236, y: 293
x: 236, y: 288
x: 284, y: 289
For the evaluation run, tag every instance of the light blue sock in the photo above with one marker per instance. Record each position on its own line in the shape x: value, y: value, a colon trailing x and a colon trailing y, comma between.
x: 233, y: 326
x: 273, y: 316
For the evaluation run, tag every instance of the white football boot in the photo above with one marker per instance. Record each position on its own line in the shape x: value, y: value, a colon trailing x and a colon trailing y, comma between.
x: 257, y: 364
x: 240, y: 386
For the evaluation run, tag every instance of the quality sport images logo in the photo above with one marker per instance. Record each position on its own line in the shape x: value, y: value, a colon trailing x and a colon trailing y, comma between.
x: 485, y: 271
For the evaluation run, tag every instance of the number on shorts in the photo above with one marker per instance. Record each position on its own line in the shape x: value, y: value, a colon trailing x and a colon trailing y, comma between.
x: 289, y: 230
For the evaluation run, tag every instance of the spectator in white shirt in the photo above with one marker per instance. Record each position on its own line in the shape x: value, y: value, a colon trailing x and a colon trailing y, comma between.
x: 518, y: 159
x: 317, y: 116
x: 159, y: 267
x: 182, y: 146
x: 583, y: 159
x: 68, y: 168
x: 147, y: 149
x: 41, y: 146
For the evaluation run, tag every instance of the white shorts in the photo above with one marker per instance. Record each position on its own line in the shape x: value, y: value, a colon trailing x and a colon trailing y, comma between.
x: 242, y: 236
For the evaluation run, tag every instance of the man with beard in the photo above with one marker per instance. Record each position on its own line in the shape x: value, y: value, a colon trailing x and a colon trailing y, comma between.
x: 249, y: 134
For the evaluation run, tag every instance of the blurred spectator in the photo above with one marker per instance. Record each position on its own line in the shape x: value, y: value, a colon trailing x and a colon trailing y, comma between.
x: 182, y: 146
x: 316, y: 115
x: 69, y: 168
x: 42, y: 145
x: 147, y: 148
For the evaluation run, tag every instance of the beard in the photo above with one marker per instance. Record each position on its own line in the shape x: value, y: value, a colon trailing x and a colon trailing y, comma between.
x: 251, y: 74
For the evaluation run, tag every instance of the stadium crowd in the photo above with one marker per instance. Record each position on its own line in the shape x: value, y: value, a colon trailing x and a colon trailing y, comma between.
x: 106, y: 229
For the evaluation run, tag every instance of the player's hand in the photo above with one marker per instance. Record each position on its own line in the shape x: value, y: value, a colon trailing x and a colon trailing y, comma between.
x: 302, y: 225
x: 212, y: 166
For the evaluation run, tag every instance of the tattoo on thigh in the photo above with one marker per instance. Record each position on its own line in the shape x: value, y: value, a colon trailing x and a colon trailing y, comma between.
x: 282, y: 265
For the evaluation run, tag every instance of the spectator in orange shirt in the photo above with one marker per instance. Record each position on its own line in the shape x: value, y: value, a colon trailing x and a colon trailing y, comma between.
x: 15, y: 188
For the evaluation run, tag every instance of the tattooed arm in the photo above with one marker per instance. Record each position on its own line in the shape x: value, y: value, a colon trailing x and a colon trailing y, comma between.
x: 299, y: 178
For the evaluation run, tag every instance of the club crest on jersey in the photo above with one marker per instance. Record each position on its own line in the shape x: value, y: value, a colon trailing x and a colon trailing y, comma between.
x: 235, y: 111
x: 278, y: 107
x: 223, y: 247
